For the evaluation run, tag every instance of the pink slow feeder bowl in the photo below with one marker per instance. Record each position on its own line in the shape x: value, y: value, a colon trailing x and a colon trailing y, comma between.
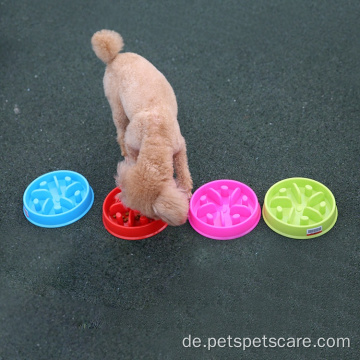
x: 224, y: 210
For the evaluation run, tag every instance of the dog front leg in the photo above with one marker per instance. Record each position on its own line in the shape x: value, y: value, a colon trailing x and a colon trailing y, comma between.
x: 183, y: 177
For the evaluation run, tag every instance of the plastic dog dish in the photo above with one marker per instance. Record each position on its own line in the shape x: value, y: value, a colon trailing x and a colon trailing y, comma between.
x: 126, y: 223
x: 57, y: 199
x: 300, y: 208
x: 224, y: 210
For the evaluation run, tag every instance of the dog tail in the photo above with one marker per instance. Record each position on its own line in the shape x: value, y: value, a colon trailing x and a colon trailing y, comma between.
x: 107, y: 44
x: 172, y: 206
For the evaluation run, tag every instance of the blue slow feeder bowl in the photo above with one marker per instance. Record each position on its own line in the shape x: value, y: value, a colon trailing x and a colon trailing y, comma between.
x: 57, y: 199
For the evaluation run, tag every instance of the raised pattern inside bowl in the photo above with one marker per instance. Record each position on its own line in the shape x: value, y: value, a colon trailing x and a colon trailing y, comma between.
x: 305, y: 204
x: 123, y: 216
x: 56, y: 195
x: 223, y: 207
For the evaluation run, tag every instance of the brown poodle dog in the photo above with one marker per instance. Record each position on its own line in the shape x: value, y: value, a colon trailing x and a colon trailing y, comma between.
x: 144, y: 110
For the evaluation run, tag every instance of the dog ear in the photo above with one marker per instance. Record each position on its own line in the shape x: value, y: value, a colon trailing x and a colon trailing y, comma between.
x: 172, y: 206
x: 121, y: 174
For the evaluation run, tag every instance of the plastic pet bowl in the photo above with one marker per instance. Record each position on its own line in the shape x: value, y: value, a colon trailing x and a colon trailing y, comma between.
x: 57, y: 199
x: 224, y: 210
x: 125, y: 223
x: 299, y: 208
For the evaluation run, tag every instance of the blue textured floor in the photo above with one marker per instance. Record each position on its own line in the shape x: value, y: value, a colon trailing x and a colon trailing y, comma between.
x: 266, y: 90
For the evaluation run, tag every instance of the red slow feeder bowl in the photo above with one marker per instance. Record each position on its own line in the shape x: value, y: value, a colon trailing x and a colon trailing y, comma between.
x: 126, y: 223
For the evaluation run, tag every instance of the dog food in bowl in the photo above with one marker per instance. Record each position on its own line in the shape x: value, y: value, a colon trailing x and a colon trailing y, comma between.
x: 126, y: 223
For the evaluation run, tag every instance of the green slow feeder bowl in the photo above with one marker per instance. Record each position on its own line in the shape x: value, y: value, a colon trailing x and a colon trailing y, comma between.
x: 300, y: 208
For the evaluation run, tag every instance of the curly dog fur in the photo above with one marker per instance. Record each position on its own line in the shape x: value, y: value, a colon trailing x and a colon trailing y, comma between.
x: 144, y: 111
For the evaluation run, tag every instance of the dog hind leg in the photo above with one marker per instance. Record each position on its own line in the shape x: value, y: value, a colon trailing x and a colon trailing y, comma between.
x: 121, y: 122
